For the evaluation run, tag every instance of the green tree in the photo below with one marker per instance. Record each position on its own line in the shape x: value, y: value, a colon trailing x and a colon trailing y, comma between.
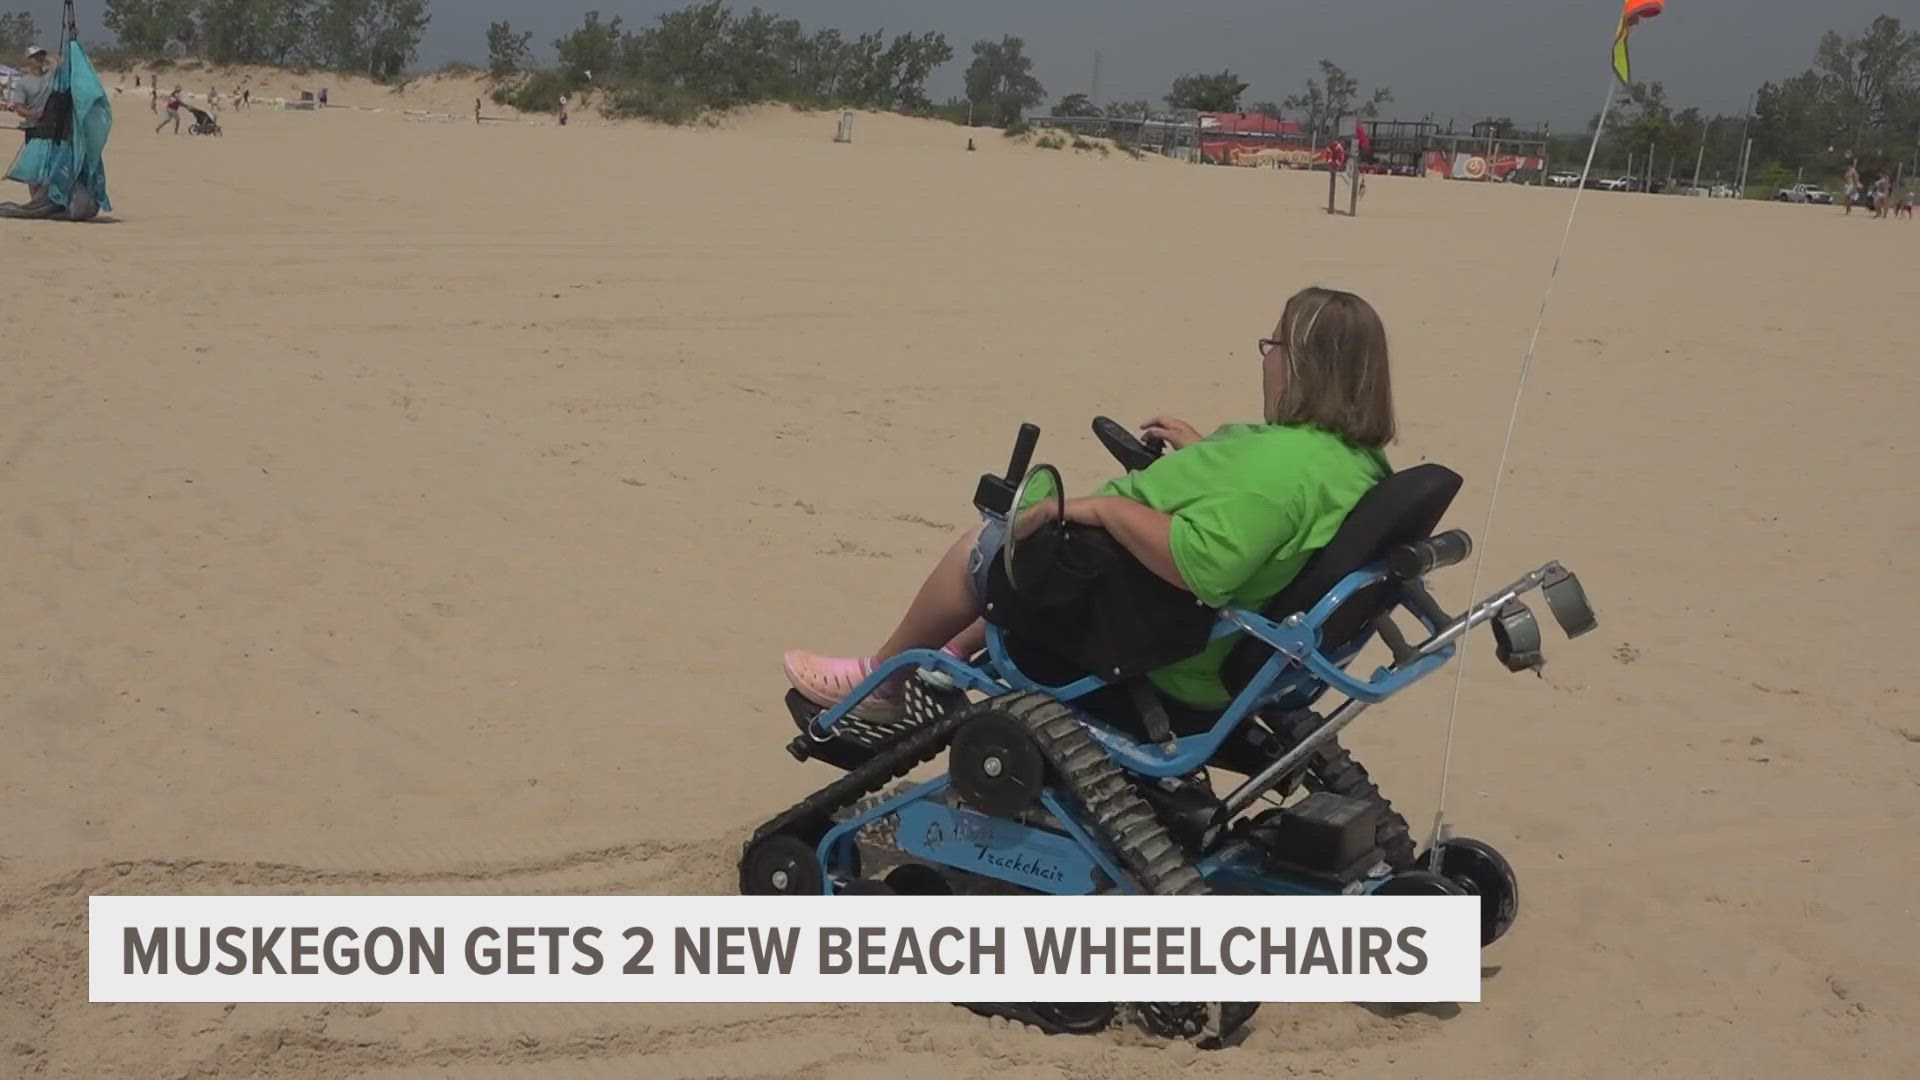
x: 1000, y: 81
x: 1870, y: 83
x: 378, y: 37
x: 149, y: 26
x: 1332, y: 98
x: 393, y: 30
x: 595, y: 47
x: 1792, y: 121
x: 17, y: 33
x: 1075, y: 105
x: 1207, y: 93
x: 508, y: 51
x: 252, y: 31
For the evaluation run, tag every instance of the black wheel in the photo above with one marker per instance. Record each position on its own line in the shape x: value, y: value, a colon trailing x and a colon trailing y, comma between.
x: 995, y: 765
x: 1481, y: 871
x: 1193, y: 1019
x: 1053, y: 1017
x: 780, y: 865
x: 1333, y: 769
x: 1419, y: 883
x: 914, y: 879
x: 1077, y: 1017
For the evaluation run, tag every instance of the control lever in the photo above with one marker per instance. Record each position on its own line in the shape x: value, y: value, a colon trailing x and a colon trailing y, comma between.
x: 994, y: 495
x: 1132, y: 453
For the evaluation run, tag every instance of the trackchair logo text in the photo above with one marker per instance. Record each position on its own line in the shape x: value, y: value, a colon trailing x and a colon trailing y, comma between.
x: 1034, y: 868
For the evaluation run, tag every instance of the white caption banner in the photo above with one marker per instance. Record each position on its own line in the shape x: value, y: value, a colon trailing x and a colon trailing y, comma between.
x: 783, y: 949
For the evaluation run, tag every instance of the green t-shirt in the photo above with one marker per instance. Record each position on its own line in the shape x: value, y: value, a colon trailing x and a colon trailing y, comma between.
x: 1250, y: 503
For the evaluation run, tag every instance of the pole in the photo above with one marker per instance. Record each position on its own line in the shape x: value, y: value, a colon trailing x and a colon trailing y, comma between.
x: 1746, y: 119
x: 1648, y: 187
x: 1746, y: 163
x: 1701, y: 158
x: 1437, y: 843
x: 1353, y: 180
x: 1093, y: 95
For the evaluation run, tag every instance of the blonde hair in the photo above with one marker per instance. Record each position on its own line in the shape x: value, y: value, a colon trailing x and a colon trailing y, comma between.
x: 1337, y: 375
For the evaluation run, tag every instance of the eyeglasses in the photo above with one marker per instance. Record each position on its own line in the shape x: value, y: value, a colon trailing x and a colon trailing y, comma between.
x: 1266, y: 345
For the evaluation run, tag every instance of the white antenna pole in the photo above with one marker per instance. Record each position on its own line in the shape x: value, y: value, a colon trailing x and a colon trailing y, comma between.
x: 1493, y: 498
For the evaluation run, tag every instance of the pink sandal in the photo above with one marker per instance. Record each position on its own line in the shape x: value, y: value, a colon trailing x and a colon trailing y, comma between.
x: 825, y: 680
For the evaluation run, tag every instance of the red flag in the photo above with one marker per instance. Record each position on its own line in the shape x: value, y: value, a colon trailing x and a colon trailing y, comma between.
x: 1361, y: 142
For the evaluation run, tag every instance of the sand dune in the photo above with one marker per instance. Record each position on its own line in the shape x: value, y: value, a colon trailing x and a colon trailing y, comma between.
x: 422, y: 507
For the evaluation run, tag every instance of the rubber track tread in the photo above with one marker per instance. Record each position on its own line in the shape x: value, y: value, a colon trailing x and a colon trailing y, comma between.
x: 916, y: 749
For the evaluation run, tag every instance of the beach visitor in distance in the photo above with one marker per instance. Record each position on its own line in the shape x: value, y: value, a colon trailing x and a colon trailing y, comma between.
x: 173, y: 113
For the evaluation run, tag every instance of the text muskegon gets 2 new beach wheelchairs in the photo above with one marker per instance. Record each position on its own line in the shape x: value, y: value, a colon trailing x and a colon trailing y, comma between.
x: 1072, y: 775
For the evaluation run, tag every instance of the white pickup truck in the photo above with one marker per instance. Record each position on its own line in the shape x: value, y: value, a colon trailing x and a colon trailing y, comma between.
x: 1805, y: 193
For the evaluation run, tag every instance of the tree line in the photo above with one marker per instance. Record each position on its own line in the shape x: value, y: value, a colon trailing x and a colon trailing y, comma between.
x: 710, y: 57
x: 379, y: 38
x: 1858, y: 103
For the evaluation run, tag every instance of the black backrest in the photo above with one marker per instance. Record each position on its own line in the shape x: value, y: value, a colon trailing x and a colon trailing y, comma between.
x: 1405, y: 506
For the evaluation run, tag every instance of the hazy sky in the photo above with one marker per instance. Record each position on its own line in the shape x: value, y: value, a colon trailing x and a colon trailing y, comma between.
x: 1534, y: 60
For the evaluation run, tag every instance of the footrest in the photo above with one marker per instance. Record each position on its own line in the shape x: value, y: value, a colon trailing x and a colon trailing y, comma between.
x: 856, y: 741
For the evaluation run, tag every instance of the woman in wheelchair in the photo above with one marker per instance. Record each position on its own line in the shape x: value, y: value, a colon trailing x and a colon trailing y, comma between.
x: 1230, y: 518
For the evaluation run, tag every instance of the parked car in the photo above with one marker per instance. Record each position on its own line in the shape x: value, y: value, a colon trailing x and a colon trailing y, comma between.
x: 1618, y: 183
x: 1805, y: 193
x: 1564, y: 179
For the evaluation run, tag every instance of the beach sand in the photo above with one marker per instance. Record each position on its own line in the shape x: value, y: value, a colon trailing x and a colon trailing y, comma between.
x: 397, y: 506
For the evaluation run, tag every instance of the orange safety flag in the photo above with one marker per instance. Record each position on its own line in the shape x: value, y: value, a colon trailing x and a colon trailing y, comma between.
x: 1630, y: 16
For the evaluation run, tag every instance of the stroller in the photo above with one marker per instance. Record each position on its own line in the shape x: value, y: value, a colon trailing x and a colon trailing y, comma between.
x: 1067, y: 773
x: 203, y: 122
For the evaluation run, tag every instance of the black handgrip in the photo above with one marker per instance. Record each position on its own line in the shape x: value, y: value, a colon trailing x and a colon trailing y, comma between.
x: 1133, y: 454
x: 1023, y: 445
x: 1423, y: 557
x: 994, y: 495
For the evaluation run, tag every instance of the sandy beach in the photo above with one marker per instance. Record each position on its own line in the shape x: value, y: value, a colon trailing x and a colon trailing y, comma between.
x: 408, y: 505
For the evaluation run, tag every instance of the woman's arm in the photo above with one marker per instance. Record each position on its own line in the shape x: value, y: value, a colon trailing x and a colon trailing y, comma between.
x: 1146, y: 533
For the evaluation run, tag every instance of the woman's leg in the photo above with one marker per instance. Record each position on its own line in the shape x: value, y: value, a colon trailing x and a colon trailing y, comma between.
x: 969, y: 641
x: 944, y: 608
x: 944, y: 612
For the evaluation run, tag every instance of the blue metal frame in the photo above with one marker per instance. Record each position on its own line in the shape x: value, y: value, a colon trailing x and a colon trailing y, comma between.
x: 1297, y: 673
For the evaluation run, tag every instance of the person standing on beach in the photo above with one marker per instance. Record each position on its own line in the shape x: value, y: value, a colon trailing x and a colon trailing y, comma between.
x: 1850, y: 187
x: 153, y: 96
x: 173, y: 113
x: 476, y: 110
x: 31, y: 92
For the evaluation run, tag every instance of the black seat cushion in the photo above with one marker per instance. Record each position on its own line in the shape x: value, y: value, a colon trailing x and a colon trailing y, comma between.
x: 1403, y: 507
